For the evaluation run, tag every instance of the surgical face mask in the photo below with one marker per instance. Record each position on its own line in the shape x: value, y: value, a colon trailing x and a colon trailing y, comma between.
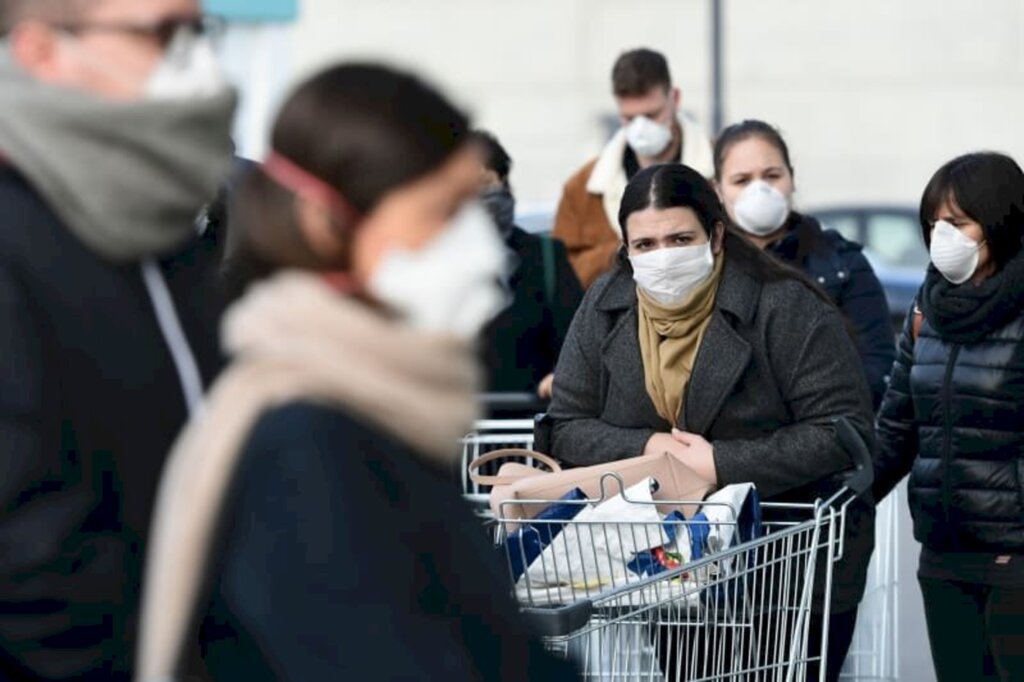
x: 669, y: 275
x: 953, y: 253
x: 452, y: 285
x: 761, y: 209
x: 647, y: 137
x: 187, y: 70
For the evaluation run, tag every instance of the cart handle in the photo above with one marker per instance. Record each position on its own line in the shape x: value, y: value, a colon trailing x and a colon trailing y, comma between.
x: 864, y: 475
x: 561, y: 621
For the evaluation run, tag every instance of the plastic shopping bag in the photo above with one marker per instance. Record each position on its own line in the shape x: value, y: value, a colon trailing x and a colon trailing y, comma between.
x: 526, y: 543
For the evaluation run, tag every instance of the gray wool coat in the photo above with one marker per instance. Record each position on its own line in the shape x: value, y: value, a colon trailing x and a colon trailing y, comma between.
x: 776, y: 365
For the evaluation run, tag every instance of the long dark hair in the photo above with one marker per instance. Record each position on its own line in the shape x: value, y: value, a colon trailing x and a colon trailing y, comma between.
x: 989, y: 188
x: 677, y: 186
x: 364, y: 129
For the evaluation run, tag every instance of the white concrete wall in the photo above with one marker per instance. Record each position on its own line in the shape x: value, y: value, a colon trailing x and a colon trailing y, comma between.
x: 872, y: 94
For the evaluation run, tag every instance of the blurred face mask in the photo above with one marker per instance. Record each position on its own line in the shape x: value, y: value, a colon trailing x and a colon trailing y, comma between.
x: 188, y: 69
x: 648, y: 138
x: 761, y: 209
x: 453, y: 284
x: 501, y: 204
x: 953, y: 253
x: 669, y: 275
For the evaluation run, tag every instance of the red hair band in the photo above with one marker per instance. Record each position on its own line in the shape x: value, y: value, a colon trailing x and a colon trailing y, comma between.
x: 291, y: 176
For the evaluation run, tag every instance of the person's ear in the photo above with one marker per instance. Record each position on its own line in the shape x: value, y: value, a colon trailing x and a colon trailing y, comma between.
x: 35, y: 48
x: 677, y: 98
x: 719, y: 238
x: 324, y: 237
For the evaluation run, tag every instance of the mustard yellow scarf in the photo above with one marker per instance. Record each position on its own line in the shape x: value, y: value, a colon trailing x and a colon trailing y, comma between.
x: 669, y: 339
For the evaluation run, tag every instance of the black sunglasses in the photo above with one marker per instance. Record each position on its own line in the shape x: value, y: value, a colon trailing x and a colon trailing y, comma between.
x: 162, y: 31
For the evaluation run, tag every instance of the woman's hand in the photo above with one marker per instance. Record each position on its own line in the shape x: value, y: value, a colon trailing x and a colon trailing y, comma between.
x: 547, y: 384
x: 698, y: 454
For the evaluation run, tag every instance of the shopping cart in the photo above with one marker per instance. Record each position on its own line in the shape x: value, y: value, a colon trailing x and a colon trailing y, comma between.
x: 489, y: 435
x: 743, y: 611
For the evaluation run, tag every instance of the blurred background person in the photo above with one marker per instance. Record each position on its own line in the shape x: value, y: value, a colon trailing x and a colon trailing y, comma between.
x: 521, y: 345
x: 114, y: 132
x: 952, y: 419
x: 342, y: 550
x: 755, y: 179
x: 700, y: 345
x: 653, y: 131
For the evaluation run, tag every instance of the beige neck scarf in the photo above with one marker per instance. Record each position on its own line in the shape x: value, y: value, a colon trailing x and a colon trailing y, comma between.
x: 292, y: 338
x: 669, y: 339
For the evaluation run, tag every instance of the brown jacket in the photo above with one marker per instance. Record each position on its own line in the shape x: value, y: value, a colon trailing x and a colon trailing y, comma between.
x: 587, y: 217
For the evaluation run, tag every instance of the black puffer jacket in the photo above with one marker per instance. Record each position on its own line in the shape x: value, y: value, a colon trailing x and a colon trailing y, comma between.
x: 952, y: 418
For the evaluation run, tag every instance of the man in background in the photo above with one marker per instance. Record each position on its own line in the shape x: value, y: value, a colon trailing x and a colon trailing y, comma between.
x: 654, y: 131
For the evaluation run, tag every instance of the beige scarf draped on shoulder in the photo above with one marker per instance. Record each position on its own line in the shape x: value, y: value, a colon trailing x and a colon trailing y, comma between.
x: 669, y: 339
x: 291, y: 338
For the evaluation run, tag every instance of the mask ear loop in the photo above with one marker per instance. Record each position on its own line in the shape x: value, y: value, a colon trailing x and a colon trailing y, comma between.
x: 304, y: 184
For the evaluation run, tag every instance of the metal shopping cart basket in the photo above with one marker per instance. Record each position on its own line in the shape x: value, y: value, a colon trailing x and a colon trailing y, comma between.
x: 739, y: 612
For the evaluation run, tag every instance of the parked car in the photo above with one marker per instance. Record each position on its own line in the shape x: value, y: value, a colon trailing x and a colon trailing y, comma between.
x: 891, y: 236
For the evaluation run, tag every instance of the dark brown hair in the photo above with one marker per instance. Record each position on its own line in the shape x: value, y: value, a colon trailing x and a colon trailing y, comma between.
x: 364, y: 129
x: 637, y: 72
x: 744, y: 130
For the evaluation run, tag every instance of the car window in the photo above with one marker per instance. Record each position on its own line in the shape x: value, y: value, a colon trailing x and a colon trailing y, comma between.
x: 846, y: 225
x: 895, y: 239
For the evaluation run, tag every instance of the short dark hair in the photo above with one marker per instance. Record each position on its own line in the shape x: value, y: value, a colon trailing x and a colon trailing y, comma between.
x: 495, y: 157
x: 639, y: 71
x: 743, y: 130
x: 12, y: 12
x: 989, y: 188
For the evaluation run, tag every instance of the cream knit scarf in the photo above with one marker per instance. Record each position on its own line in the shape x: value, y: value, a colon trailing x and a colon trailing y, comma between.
x: 292, y: 338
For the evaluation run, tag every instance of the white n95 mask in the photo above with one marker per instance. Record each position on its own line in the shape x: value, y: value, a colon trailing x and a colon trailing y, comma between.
x: 953, y: 253
x: 453, y: 285
x: 647, y: 137
x: 669, y: 275
x: 761, y: 209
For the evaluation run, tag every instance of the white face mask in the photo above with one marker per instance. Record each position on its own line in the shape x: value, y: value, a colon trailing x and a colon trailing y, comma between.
x: 453, y: 284
x: 189, y: 69
x: 646, y: 137
x: 669, y: 275
x: 761, y: 209
x: 954, y: 254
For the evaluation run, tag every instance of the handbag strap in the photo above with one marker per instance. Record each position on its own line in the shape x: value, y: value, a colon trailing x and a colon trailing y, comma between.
x: 506, y: 453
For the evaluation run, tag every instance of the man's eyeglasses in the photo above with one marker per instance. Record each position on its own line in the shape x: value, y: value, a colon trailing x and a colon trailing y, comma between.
x: 161, y: 32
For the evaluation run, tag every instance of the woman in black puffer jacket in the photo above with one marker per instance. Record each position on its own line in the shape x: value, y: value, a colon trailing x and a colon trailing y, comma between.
x: 952, y: 419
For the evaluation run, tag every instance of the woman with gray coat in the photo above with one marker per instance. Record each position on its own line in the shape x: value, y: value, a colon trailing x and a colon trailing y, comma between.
x: 699, y: 344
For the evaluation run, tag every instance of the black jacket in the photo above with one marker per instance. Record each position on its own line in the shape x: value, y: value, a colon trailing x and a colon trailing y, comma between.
x: 774, y: 368
x: 345, y: 556
x: 952, y: 418
x: 839, y: 267
x: 520, y: 347
x: 90, y: 403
